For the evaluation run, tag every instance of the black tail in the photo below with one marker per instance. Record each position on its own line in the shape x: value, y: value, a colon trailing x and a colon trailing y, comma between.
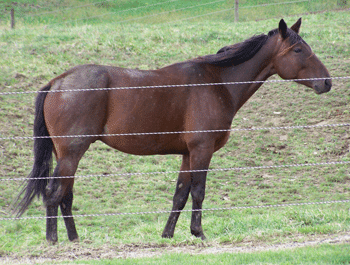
x: 37, y: 180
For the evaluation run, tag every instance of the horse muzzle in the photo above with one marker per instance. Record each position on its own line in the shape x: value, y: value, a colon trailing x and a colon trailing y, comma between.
x: 322, y: 86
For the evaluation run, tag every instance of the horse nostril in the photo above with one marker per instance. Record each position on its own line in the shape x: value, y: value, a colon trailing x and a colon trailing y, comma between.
x: 328, y: 83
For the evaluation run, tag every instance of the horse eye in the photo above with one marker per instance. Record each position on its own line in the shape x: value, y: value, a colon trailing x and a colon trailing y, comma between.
x: 297, y: 50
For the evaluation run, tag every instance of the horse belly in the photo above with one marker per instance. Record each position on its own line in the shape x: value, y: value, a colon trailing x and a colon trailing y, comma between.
x: 144, y: 114
x: 147, y: 144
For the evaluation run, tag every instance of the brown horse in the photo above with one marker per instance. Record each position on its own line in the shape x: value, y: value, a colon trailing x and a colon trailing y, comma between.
x: 188, y: 108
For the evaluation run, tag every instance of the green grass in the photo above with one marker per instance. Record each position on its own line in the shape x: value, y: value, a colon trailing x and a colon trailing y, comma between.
x: 31, y: 56
x: 54, y: 13
x: 325, y: 254
x: 322, y: 254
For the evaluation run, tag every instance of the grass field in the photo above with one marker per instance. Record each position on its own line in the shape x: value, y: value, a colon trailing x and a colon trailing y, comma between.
x: 315, y: 255
x: 72, y: 12
x: 31, y: 56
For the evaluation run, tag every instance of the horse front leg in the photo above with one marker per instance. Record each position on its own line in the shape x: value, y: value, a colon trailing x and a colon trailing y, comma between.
x: 199, y: 160
x: 182, y: 191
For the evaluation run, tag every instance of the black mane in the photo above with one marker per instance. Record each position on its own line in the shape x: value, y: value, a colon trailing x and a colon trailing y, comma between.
x: 244, y: 51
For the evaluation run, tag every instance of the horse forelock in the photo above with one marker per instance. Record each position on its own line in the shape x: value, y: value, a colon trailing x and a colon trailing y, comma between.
x: 292, y: 36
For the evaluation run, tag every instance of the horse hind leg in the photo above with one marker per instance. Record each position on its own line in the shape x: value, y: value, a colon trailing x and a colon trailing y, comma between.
x: 59, y: 192
x: 51, y: 207
x: 66, y: 209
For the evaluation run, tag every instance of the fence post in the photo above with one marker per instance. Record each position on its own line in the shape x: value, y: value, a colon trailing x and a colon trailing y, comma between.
x: 236, y: 10
x: 12, y: 18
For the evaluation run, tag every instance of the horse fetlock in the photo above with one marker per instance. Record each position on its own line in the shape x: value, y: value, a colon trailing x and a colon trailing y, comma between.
x: 167, y: 234
x: 52, y: 239
x: 197, y: 232
x: 74, y: 238
x: 169, y: 229
x: 196, y: 226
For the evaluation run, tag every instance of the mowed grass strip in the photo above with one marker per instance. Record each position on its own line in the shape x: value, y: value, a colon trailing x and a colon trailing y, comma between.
x: 324, y: 254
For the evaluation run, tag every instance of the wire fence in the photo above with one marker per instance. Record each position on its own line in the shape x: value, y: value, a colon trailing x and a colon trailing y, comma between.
x: 186, y: 171
x: 167, y: 12
x: 178, y: 132
x: 99, y: 3
x: 236, y: 9
x: 166, y: 8
x: 175, y: 86
x: 178, y: 211
x: 175, y: 132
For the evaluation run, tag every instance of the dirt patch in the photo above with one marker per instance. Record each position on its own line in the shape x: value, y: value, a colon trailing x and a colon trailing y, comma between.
x: 74, y: 251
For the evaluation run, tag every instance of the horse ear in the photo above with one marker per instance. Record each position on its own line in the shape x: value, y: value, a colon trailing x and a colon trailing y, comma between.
x: 296, y: 26
x: 282, y: 27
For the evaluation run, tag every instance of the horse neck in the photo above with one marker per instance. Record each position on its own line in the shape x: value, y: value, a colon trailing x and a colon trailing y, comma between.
x: 259, y: 68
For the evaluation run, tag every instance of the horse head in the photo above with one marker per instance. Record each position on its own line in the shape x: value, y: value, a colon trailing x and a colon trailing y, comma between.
x: 296, y: 60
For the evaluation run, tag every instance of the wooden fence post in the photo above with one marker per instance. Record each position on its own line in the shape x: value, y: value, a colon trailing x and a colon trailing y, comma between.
x: 12, y: 18
x: 236, y: 10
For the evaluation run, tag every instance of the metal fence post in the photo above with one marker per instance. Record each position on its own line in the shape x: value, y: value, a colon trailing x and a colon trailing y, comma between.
x: 236, y: 10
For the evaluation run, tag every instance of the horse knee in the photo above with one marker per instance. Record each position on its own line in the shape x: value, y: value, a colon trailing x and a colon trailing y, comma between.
x: 198, y: 194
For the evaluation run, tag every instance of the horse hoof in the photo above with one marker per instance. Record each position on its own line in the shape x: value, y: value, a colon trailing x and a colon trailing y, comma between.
x: 51, y: 241
x: 201, y: 236
x: 198, y: 234
x: 76, y: 240
x: 167, y: 235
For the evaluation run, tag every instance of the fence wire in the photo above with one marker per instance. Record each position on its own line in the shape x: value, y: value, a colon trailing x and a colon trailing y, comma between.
x: 176, y: 132
x: 168, y: 12
x: 156, y: 14
x: 136, y: 18
x: 187, y: 171
x: 230, y: 9
x: 98, y: 3
x: 175, y: 86
x: 60, y: 9
x: 178, y: 211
